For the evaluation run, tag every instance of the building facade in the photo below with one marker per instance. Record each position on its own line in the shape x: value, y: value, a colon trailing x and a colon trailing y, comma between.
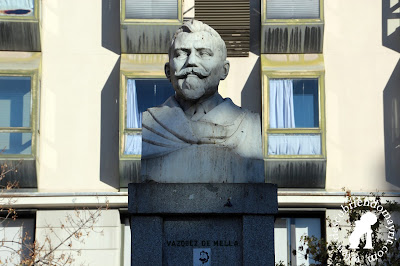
x: 75, y: 76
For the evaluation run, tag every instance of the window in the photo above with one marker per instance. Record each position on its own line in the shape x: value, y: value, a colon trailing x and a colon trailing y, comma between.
x: 293, y: 9
x: 142, y: 85
x: 17, y: 8
x: 142, y: 94
x: 294, y: 120
x: 147, y: 27
x: 294, y: 105
x: 292, y: 26
x: 17, y: 115
x: 19, y: 23
x: 293, y: 108
x: 125, y: 240
x: 151, y: 9
x: 288, y: 232
x: 18, y: 236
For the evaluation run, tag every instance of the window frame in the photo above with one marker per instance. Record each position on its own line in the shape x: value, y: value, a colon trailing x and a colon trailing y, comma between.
x: 292, y: 21
x: 298, y: 213
x: 133, y: 69
x: 33, y: 18
x: 177, y: 21
x: 33, y: 74
x: 276, y: 72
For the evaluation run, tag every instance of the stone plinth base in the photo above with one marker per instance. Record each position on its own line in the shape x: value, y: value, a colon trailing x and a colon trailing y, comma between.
x: 202, y: 224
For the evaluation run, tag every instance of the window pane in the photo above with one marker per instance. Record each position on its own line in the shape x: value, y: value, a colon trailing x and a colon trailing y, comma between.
x: 15, y: 101
x: 288, y: 232
x: 292, y: 9
x: 14, y: 233
x: 15, y: 143
x: 281, y: 240
x: 143, y: 94
x: 151, y: 9
x: 293, y: 103
x: 16, y: 7
x: 305, y: 96
x: 133, y: 144
x: 294, y: 144
x: 306, y: 227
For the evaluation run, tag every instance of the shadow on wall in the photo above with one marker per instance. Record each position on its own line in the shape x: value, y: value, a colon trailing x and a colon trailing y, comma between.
x: 110, y: 25
x: 251, y: 93
x: 109, y: 129
x: 391, y: 112
x: 391, y: 25
x: 391, y: 93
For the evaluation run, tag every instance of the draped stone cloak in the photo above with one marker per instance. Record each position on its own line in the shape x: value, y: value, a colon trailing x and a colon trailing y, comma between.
x: 222, y: 146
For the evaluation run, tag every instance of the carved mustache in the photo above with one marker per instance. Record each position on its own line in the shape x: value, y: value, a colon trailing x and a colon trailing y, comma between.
x: 201, y: 73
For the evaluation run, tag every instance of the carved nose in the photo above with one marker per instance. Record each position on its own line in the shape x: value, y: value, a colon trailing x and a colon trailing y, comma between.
x: 191, y: 61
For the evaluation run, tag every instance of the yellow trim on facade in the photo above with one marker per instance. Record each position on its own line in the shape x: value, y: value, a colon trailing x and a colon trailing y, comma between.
x: 177, y: 21
x: 293, y: 66
x: 136, y: 66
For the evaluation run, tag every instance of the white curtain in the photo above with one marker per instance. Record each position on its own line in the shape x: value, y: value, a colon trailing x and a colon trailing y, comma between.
x: 133, y: 143
x: 281, y: 107
x: 279, y: 144
x: 16, y: 4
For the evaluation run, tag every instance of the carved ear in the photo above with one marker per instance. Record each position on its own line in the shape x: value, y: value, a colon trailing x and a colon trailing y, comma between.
x: 225, y: 70
x: 167, y: 70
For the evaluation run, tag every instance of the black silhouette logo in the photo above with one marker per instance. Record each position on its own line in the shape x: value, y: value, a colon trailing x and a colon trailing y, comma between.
x: 204, y: 257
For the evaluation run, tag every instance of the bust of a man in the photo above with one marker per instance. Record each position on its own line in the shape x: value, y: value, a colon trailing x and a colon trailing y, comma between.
x: 196, y: 136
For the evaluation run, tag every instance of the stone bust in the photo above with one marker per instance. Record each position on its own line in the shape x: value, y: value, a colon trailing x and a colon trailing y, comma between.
x: 196, y: 136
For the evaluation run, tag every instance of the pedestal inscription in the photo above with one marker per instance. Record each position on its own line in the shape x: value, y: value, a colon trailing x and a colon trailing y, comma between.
x: 222, y: 236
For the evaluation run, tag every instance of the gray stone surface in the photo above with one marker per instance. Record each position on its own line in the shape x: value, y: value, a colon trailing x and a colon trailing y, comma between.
x: 229, y: 239
x: 258, y: 240
x: 222, y: 235
x: 196, y: 136
x: 172, y: 221
x: 163, y: 198
x: 146, y: 242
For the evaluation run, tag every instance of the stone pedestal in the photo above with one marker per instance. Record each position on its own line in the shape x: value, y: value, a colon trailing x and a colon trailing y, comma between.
x: 202, y: 224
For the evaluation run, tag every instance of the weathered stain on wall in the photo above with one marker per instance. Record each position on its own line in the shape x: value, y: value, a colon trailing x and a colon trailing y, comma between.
x: 146, y: 39
x: 19, y: 36
x: 292, y: 38
x: 25, y: 174
x: 296, y: 173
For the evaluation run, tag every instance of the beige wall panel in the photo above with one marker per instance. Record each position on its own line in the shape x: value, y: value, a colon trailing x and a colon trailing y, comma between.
x: 75, y: 70
x: 243, y: 84
x: 358, y: 68
x: 105, y: 236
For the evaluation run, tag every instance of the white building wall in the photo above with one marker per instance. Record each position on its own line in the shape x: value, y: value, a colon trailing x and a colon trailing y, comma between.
x: 358, y: 68
x: 101, y: 247
x: 75, y: 70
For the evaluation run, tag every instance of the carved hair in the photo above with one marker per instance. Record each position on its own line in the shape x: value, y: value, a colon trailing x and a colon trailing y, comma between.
x: 192, y: 26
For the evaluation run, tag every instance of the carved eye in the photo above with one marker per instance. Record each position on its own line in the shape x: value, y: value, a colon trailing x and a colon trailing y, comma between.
x: 204, y: 53
x: 181, y: 54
